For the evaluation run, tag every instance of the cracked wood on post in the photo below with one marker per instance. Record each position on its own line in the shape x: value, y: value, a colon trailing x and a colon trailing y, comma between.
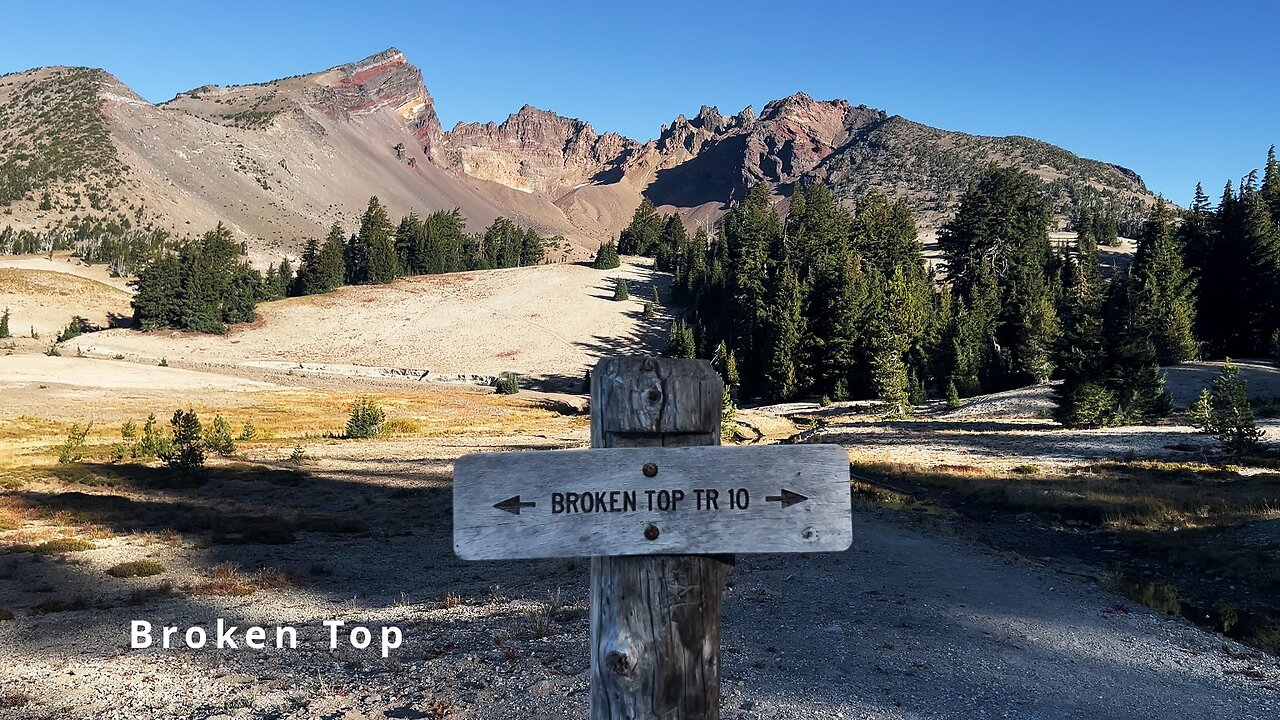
x: 655, y: 621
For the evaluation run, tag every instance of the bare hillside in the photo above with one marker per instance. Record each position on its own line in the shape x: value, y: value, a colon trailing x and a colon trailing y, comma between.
x: 547, y: 321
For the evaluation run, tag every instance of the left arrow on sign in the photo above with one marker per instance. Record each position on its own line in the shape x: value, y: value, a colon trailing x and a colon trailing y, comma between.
x: 513, y: 505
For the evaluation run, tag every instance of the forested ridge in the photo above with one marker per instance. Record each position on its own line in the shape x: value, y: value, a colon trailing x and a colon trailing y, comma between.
x: 838, y: 302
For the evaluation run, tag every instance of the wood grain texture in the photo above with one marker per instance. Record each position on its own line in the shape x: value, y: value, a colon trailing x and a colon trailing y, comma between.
x: 700, y: 501
x: 655, y: 620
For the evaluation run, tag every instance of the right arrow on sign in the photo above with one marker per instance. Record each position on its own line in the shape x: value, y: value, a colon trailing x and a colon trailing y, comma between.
x: 787, y: 498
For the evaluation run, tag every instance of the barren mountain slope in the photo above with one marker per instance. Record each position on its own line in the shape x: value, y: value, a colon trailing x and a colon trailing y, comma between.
x: 279, y: 161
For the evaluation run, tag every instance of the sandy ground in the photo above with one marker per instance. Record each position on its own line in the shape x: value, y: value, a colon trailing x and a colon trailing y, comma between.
x: 46, y: 294
x: 912, y: 622
x: 548, y: 322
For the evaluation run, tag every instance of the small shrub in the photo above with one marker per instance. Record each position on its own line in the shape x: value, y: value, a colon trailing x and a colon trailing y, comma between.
x: 53, y: 351
x: 607, y: 256
x: 226, y: 582
x: 4, y: 325
x: 187, y: 447
x: 648, y: 311
x: 365, y: 420
x: 136, y: 568
x: 728, y: 414
x: 508, y: 384
x: 58, y: 546
x: 298, y: 456
x: 218, y: 437
x: 6, y: 614
x: 73, y: 329
x: 1223, y: 410
x: 620, y: 291
x: 129, y: 430
x: 164, y: 362
x: 953, y: 396
x: 1028, y: 470
x: 153, y: 443
x: 248, y: 432
x: 825, y: 401
x: 72, y: 449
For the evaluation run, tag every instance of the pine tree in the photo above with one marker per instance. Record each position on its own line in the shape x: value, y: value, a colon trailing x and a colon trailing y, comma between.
x: 671, y: 243
x: 1163, y: 291
x: 187, y: 448
x: 158, y: 292
x: 1271, y: 185
x: 331, y: 267
x: 307, y: 281
x: 372, y: 253
x: 641, y: 236
x: 606, y: 256
x: 620, y: 291
x: 1001, y: 234
x: 4, y: 325
x: 284, y: 279
x: 680, y: 342
x: 783, y: 375
x: 1224, y: 411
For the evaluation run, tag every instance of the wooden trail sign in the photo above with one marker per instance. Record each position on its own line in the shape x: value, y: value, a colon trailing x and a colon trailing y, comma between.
x: 656, y: 586
x: 651, y: 501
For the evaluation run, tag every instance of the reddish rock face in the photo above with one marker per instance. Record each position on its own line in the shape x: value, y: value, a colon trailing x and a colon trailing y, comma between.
x: 386, y: 81
x: 533, y: 151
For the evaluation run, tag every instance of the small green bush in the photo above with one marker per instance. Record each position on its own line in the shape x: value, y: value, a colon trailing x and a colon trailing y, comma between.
x: 953, y: 396
x: 1223, y: 410
x: 620, y: 291
x: 607, y: 257
x: 249, y: 432
x: 4, y: 325
x: 648, y: 311
x: 73, y: 329
x: 187, y: 448
x: 72, y: 449
x: 365, y: 420
x: 508, y: 384
x: 136, y: 568
x: 218, y: 437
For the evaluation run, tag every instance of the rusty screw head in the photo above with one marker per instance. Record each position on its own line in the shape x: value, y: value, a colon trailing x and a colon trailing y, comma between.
x: 650, y: 469
x: 651, y: 532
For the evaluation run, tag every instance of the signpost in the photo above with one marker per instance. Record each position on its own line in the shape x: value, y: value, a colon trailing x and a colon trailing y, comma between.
x: 659, y: 509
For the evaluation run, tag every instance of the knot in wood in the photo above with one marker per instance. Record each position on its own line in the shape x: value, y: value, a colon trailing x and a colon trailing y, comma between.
x: 654, y: 395
x: 619, y: 662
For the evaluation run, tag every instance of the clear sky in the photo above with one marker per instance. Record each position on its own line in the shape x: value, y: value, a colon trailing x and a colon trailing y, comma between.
x: 1178, y: 91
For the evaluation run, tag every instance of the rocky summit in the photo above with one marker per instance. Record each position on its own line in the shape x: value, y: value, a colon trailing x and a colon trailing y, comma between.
x: 282, y: 160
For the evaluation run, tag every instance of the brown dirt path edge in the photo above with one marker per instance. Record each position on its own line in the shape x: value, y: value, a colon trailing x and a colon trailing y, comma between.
x: 911, y: 623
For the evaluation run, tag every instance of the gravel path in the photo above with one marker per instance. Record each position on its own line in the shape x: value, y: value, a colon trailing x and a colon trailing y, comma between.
x: 911, y: 623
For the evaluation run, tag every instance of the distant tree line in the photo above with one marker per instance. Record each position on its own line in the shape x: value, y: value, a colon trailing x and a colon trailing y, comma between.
x: 838, y: 302
x: 206, y: 284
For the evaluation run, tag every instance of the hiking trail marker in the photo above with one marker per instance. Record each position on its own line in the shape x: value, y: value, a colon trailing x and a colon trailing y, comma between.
x: 659, y: 507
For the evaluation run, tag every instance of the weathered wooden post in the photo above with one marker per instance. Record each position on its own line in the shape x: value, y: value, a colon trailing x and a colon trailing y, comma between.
x: 657, y: 507
x: 655, y: 620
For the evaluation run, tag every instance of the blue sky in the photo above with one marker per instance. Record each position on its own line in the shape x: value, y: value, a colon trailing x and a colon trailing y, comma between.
x: 1179, y: 91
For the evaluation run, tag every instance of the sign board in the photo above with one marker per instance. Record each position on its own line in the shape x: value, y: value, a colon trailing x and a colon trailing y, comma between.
x: 652, y: 501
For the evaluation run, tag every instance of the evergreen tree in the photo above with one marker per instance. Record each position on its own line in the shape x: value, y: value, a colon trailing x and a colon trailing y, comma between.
x: 202, y: 288
x: 284, y: 279
x: 671, y: 244
x: 1223, y: 410
x: 332, y: 270
x: 641, y: 236
x: 783, y: 374
x: 725, y: 364
x: 680, y: 342
x: 1271, y: 185
x: 187, y: 448
x: 606, y: 256
x: 1163, y: 291
x: 4, y: 325
x: 620, y: 291
x: 307, y: 281
x: 896, y: 327
x: 372, y: 253
x: 1000, y: 235
x: 157, y: 293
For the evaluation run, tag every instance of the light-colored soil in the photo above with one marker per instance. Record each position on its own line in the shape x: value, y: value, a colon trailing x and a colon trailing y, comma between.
x: 46, y: 294
x: 548, y: 321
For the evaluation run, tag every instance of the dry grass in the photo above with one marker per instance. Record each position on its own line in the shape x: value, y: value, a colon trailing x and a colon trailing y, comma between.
x: 226, y: 582
x: 136, y: 568
x: 11, y: 699
x: 56, y: 605
x: 6, y: 614
x: 56, y: 547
